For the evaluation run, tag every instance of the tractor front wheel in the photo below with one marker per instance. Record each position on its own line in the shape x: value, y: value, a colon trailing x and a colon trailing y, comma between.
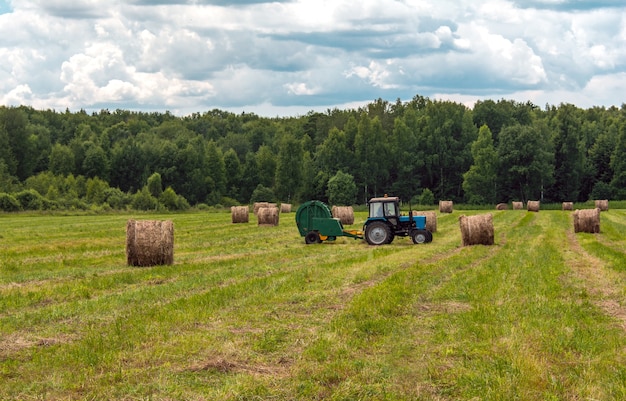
x: 312, y: 237
x: 421, y: 236
x: 378, y: 233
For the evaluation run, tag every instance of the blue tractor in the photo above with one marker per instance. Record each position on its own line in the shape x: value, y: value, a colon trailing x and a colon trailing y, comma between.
x: 385, y: 223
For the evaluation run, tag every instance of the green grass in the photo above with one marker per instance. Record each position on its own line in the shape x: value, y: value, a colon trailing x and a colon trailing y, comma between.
x: 250, y: 313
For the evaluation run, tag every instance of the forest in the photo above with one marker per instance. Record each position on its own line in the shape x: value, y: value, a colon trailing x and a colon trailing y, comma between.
x: 421, y: 150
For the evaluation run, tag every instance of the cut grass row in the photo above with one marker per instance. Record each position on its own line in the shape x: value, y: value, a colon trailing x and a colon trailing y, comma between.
x: 252, y: 312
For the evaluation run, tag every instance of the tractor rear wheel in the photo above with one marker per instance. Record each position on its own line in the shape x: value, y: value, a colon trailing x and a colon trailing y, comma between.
x: 378, y: 233
x: 312, y: 237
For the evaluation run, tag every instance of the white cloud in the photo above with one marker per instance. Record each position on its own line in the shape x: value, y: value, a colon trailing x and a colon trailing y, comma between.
x: 307, y: 53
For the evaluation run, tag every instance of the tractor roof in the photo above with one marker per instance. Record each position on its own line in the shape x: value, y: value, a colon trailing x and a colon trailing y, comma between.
x: 385, y: 199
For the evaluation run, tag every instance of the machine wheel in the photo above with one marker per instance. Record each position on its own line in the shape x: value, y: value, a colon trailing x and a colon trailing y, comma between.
x: 378, y: 233
x: 312, y: 237
x: 421, y: 236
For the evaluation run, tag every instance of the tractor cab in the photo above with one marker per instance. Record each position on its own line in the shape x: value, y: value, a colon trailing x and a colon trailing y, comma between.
x: 385, y: 222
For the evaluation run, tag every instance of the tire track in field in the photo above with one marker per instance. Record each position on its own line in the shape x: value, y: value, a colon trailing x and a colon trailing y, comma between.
x: 604, y: 285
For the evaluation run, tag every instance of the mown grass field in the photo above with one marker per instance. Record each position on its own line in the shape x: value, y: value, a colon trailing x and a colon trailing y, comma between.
x: 252, y: 313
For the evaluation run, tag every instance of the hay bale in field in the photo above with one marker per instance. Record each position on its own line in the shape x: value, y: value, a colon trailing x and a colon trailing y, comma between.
x: 445, y: 206
x: 258, y: 205
x: 477, y: 230
x: 518, y: 205
x: 502, y: 206
x: 345, y: 214
x: 587, y: 221
x: 268, y: 216
x: 149, y: 242
x: 431, y: 219
x: 603, y: 205
x: 568, y: 206
x: 285, y: 208
x: 533, y: 206
x: 240, y: 214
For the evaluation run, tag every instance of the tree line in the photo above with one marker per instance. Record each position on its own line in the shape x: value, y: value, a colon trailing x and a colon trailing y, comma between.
x: 421, y: 150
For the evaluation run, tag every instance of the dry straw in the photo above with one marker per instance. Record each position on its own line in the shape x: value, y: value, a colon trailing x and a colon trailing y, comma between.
x: 431, y: 219
x: 502, y: 206
x: 533, y: 206
x: 149, y: 242
x: 345, y: 214
x: 587, y: 221
x: 477, y: 230
x: 268, y: 216
x: 258, y: 205
x: 445, y: 206
x: 518, y: 205
x: 603, y: 205
x: 240, y: 214
x: 568, y: 206
x: 285, y: 208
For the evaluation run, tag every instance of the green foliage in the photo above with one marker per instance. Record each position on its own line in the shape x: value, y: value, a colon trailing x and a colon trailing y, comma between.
x: 479, y: 182
x: 143, y: 200
x: 155, y: 185
x: 262, y: 194
x: 9, y: 203
x: 394, y: 148
x: 172, y: 201
x: 288, y: 169
x: 427, y: 197
x: 30, y: 199
x: 341, y: 189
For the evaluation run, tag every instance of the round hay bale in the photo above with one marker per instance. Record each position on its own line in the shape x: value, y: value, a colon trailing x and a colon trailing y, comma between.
x: 258, y: 205
x: 431, y: 219
x: 445, y: 206
x: 568, y: 206
x: 518, y: 205
x: 285, y: 208
x: 587, y: 221
x: 477, y: 230
x: 603, y: 205
x: 502, y: 206
x: 268, y: 216
x: 533, y: 206
x: 149, y: 242
x: 240, y: 214
x: 345, y: 214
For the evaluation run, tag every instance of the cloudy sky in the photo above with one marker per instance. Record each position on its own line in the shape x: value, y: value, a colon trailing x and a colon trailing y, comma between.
x: 288, y: 57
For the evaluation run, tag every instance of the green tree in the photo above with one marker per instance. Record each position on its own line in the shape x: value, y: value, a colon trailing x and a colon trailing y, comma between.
x: 143, y: 200
x: 155, y: 185
x: 233, y: 173
x: 618, y: 164
x: 341, y: 189
x: 266, y: 165
x: 372, y: 154
x: 128, y: 165
x: 61, y: 160
x: 13, y: 122
x: 216, y: 172
x: 407, y: 157
x: 262, y: 194
x: 96, y: 163
x: 445, y: 133
x: 289, y: 168
x: 526, y: 161
x: 96, y: 190
x: 569, y: 163
x: 479, y: 183
x: 333, y: 154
